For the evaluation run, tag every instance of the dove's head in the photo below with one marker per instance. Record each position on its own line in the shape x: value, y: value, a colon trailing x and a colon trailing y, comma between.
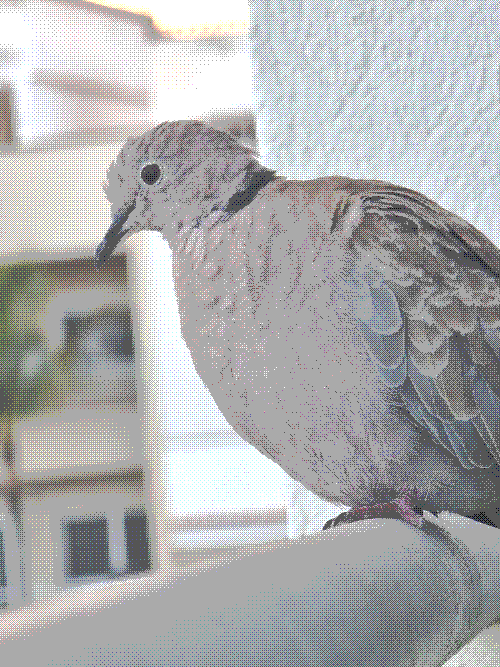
x: 177, y: 177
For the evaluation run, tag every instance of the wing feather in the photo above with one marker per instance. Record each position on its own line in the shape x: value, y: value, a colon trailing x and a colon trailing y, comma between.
x: 430, y: 317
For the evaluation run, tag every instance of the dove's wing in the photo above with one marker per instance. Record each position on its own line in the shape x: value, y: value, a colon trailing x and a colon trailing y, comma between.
x: 431, y: 317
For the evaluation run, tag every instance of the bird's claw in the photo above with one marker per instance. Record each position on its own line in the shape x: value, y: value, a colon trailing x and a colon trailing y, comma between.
x: 400, y: 508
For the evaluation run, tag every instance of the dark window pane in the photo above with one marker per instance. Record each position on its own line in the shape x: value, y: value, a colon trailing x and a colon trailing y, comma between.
x: 3, y: 573
x: 137, y: 541
x: 88, y: 548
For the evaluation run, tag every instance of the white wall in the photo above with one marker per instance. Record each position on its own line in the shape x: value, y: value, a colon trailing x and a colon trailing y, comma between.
x: 405, y: 92
x: 52, y: 203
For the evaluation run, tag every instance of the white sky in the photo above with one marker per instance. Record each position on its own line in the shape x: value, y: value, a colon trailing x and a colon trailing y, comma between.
x: 195, y: 18
x: 192, y: 92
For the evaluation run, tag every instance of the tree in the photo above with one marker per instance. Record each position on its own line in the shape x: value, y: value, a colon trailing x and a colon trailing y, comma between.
x: 28, y: 378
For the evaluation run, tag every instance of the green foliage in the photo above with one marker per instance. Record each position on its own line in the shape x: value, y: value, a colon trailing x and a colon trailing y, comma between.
x: 25, y: 368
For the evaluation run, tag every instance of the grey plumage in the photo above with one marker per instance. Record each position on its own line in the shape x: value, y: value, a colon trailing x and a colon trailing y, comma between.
x: 348, y: 329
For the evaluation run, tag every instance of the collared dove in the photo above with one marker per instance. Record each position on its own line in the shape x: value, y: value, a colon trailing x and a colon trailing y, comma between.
x: 348, y: 329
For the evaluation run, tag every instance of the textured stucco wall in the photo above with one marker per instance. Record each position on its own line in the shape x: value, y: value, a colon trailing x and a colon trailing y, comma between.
x: 401, y: 91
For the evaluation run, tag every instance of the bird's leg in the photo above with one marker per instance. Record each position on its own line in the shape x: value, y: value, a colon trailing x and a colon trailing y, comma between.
x: 400, y: 508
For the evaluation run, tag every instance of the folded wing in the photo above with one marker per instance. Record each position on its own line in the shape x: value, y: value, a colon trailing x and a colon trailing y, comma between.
x: 430, y: 317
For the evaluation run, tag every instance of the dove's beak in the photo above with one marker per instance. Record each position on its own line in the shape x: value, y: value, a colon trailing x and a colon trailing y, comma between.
x: 117, y: 230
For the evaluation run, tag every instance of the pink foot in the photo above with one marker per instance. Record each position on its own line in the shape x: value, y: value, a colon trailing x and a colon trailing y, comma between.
x: 400, y: 508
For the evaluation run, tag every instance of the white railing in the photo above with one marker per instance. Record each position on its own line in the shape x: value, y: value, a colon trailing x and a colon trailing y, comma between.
x: 372, y: 593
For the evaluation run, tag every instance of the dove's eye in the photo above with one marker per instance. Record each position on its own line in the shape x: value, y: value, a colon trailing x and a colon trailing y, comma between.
x: 150, y: 174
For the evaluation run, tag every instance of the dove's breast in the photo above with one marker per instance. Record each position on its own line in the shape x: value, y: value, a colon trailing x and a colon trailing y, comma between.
x: 278, y: 348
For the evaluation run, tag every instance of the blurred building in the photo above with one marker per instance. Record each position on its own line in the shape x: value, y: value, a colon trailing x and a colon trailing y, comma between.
x: 78, y: 71
x: 76, y: 80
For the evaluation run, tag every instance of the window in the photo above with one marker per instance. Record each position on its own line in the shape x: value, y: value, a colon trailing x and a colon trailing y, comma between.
x: 101, y: 348
x: 137, y: 540
x: 87, y: 544
x: 87, y: 548
x: 6, y: 115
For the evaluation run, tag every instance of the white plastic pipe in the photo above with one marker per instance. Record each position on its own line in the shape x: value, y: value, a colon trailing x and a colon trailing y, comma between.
x: 375, y: 593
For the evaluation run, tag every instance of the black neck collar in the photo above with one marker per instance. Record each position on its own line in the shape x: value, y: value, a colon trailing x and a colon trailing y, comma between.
x: 256, y: 181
